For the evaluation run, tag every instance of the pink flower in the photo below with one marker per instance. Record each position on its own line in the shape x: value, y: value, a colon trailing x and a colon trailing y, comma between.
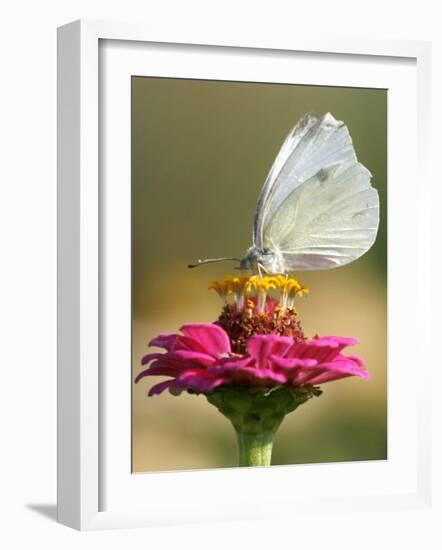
x: 254, y: 364
x: 188, y: 359
x: 201, y: 359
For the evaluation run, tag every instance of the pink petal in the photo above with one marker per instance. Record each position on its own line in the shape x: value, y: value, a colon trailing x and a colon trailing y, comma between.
x: 261, y: 347
x: 199, y: 380
x: 330, y: 376
x: 190, y: 358
x: 230, y: 365
x: 322, y: 349
x: 175, y: 389
x: 305, y: 375
x: 292, y: 362
x: 150, y: 357
x: 208, y: 384
x: 141, y: 375
x: 193, y: 373
x: 346, y: 364
x: 326, y: 372
x: 266, y: 376
x: 358, y: 360
x: 343, y: 341
x: 338, y: 369
x: 213, y: 339
x: 159, y: 388
x: 160, y: 369
x: 166, y: 340
x: 232, y: 362
x: 173, y: 342
x: 252, y: 375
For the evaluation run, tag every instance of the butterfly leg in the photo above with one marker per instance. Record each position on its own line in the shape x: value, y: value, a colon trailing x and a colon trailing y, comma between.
x: 261, y: 269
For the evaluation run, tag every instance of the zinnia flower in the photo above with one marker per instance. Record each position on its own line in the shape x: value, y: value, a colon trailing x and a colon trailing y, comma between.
x: 254, y: 363
x: 200, y: 360
x: 255, y: 342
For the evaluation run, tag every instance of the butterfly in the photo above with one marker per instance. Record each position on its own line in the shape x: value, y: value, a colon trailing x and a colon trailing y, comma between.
x: 317, y: 208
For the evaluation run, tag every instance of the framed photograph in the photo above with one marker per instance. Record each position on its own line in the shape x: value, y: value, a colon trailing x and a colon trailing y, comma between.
x: 234, y: 295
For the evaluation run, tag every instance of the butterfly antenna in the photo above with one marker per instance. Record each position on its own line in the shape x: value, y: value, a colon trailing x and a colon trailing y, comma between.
x: 211, y: 261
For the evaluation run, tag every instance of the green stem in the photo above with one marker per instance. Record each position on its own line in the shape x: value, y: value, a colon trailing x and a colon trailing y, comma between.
x: 256, y: 415
x: 255, y: 449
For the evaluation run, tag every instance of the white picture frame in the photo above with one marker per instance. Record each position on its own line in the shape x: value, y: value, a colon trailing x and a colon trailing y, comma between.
x: 82, y: 441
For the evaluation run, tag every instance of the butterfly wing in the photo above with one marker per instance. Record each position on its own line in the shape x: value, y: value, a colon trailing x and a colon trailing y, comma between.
x: 329, y: 221
x: 317, y: 207
x: 311, y: 145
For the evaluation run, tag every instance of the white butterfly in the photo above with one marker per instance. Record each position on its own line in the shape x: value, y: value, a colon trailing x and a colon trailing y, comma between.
x: 317, y: 208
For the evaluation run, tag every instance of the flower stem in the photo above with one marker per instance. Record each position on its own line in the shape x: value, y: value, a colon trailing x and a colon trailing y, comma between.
x: 256, y: 414
x: 255, y: 449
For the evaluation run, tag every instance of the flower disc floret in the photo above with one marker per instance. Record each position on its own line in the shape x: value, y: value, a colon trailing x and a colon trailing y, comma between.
x: 242, y: 287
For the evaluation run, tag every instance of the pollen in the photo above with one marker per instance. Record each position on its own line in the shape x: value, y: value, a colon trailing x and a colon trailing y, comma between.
x: 238, y: 289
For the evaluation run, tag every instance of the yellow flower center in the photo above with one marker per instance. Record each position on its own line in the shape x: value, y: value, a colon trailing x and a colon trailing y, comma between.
x: 241, y: 287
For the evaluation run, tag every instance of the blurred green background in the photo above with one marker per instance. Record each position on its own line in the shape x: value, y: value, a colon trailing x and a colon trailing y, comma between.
x: 200, y: 153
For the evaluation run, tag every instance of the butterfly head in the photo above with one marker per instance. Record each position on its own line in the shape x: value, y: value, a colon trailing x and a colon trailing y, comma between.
x: 262, y: 260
